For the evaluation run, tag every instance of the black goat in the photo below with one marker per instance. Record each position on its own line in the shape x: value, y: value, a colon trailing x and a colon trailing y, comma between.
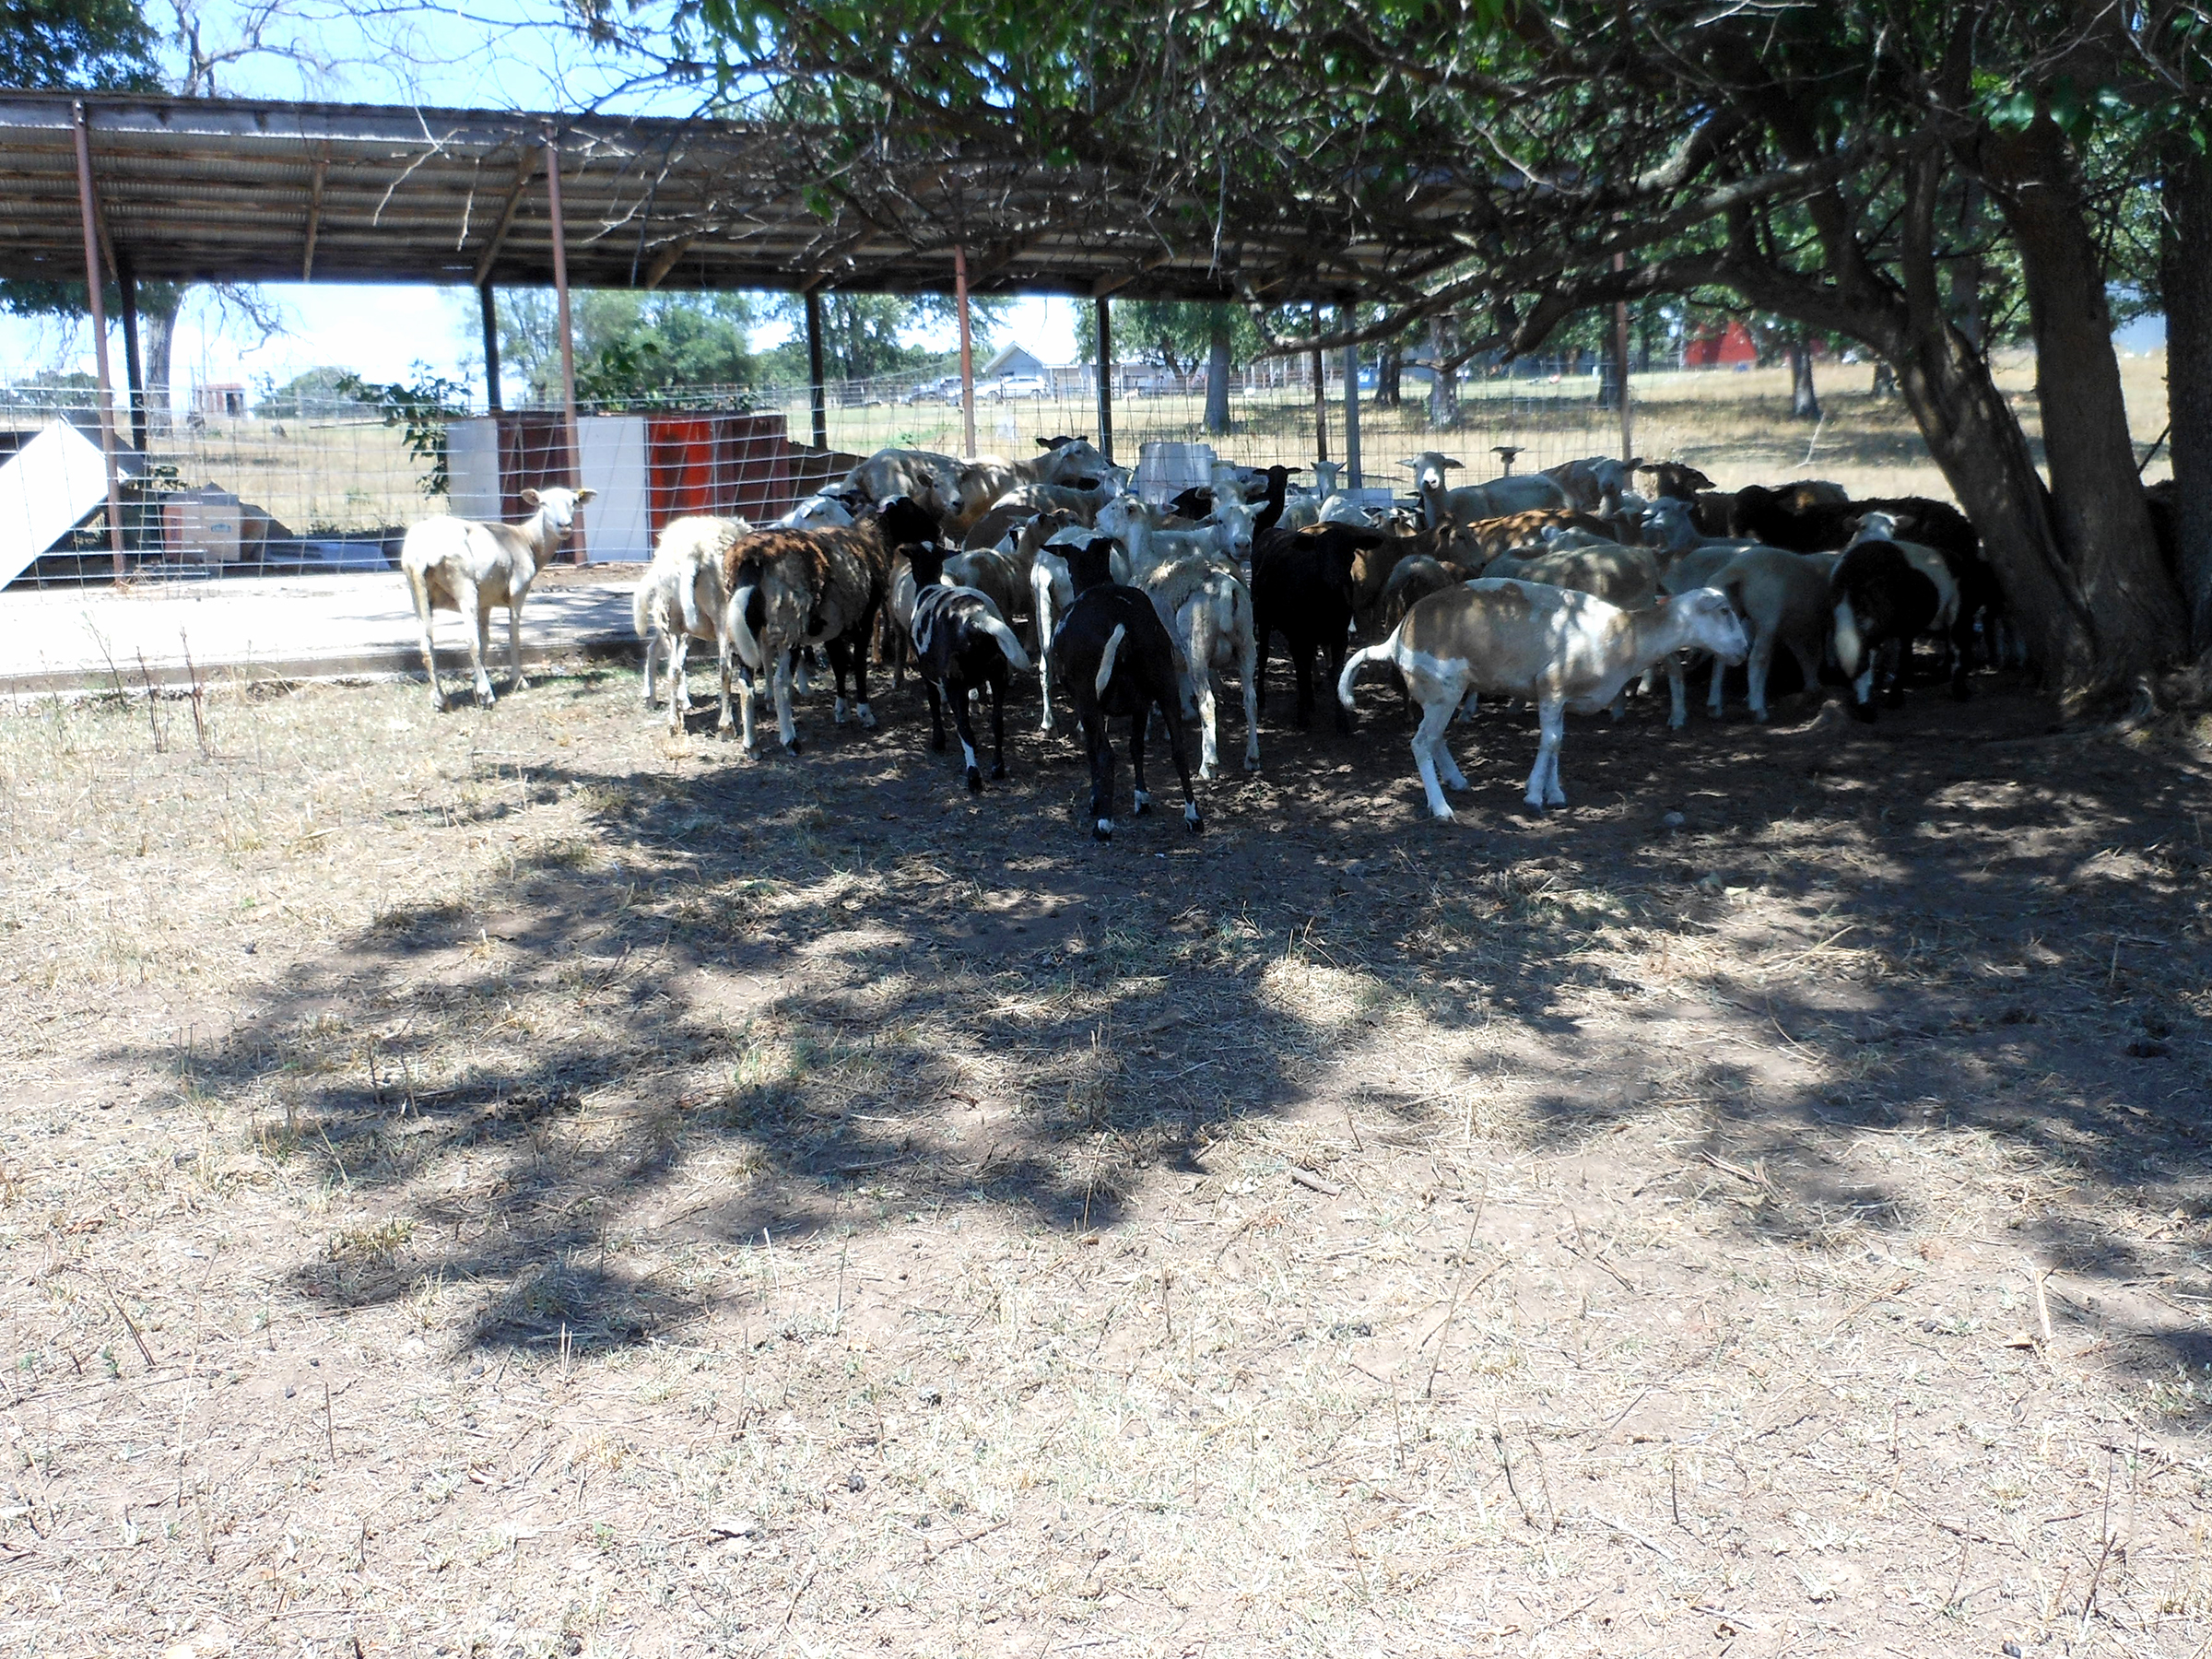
x: 961, y: 644
x: 1301, y: 588
x: 1881, y: 605
x: 1114, y: 657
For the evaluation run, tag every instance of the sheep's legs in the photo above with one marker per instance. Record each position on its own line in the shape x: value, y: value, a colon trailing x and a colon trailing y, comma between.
x: 1428, y: 744
x: 1041, y: 601
x: 514, y: 647
x: 787, y: 729
x: 1715, y: 699
x: 1209, y: 742
x: 957, y: 695
x: 420, y: 589
x: 1763, y: 658
x: 1677, y: 693
x: 936, y: 713
x: 1098, y: 738
x: 1191, y: 814
x: 1544, y: 777
x: 1143, y: 797
x: 1343, y: 715
x: 652, y: 644
x: 1247, y: 669
x: 477, y: 617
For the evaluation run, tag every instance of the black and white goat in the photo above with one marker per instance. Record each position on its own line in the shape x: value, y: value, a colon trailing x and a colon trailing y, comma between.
x: 1115, y: 657
x: 961, y: 644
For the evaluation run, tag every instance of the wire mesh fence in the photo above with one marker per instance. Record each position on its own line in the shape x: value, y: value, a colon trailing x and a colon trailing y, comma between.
x: 229, y: 488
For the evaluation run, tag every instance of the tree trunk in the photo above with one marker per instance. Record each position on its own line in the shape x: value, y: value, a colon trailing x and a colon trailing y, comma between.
x: 1885, y: 379
x: 2186, y: 278
x: 1388, y: 369
x: 2098, y: 514
x: 1217, y: 374
x: 1803, y: 403
x: 1443, y: 386
x: 159, y: 314
x: 1966, y: 275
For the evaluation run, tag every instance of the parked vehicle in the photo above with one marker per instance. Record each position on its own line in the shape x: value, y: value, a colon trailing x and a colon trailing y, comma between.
x: 1019, y: 385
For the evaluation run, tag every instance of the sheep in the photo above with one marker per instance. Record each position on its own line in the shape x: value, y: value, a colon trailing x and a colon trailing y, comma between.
x: 1302, y: 587
x: 987, y: 479
x: 1784, y: 598
x: 1673, y: 478
x: 824, y: 510
x: 1560, y: 649
x: 814, y: 587
x: 1594, y: 483
x: 1018, y: 505
x: 1003, y: 577
x: 1955, y: 600
x: 1378, y: 555
x: 1473, y: 501
x: 1628, y: 577
x: 1208, y: 612
x: 468, y: 566
x: 1412, y: 580
x: 1116, y: 657
x: 680, y: 599
x: 1512, y: 530
x: 1274, y: 501
x: 1341, y: 510
x: 1136, y: 525
x: 1670, y: 527
x: 961, y: 644
x: 1045, y: 541
x: 930, y: 480
x: 1881, y: 604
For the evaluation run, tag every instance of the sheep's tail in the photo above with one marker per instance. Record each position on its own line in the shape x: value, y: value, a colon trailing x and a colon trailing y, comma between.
x: 1114, y: 647
x: 640, y: 610
x: 743, y: 599
x: 1009, y: 647
x: 1383, y: 652
x: 1849, y: 647
x: 691, y: 587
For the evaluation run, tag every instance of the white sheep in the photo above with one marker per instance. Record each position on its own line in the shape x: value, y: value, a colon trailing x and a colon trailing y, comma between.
x: 680, y: 599
x: 1560, y: 649
x: 1472, y: 502
x: 468, y: 566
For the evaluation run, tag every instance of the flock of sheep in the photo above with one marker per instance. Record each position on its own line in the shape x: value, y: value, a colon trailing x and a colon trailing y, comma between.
x: 1558, y: 588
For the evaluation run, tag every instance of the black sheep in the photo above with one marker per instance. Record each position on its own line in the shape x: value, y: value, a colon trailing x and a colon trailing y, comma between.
x: 1114, y: 657
x: 961, y: 644
x: 1881, y: 605
x: 1271, y: 506
x: 1301, y: 588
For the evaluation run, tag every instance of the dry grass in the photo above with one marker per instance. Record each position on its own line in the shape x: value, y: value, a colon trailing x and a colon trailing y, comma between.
x: 513, y: 1183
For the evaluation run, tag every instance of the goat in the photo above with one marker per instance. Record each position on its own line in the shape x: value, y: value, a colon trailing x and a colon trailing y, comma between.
x: 815, y: 587
x: 1881, y: 602
x: 1595, y: 483
x: 1115, y: 656
x: 1208, y: 612
x: 1473, y: 501
x: 1301, y: 588
x: 680, y: 599
x: 468, y: 566
x: 1560, y: 649
x: 961, y: 644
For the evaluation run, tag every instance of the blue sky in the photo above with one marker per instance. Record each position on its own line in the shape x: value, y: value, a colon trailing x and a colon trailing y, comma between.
x: 485, y: 54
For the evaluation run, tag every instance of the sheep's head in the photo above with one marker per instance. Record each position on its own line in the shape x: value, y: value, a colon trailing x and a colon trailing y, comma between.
x: 1072, y: 458
x: 1668, y: 523
x: 1713, y: 624
x: 1091, y: 564
x: 1874, y: 526
x: 927, y: 562
x: 902, y: 521
x: 558, y: 504
x: 1428, y: 468
x: 1676, y: 479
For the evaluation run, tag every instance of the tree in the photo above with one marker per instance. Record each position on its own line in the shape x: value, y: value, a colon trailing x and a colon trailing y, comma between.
x: 1814, y: 161
x: 629, y: 345
x: 103, y: 45
x: 863, y: 335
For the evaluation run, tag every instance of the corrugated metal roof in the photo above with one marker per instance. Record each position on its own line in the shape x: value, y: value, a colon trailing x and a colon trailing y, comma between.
x: 226, y: 190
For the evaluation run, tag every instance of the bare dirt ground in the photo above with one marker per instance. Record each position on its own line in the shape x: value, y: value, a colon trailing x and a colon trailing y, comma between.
x: 512, y: 1183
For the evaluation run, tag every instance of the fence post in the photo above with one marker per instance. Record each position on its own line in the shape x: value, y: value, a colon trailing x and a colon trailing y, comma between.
x: 817, y: 394
x: 1320, y: 393
x: 1351, y: 404
x: 88, y: 210
x: 1620, y: 366
x: 567, y: 337
x: 488, y: 303
x: 1105, y: 322
x: 133, y: 374
x: 960, y: 294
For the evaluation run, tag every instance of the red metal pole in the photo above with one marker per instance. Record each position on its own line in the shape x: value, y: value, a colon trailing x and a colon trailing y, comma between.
x: 89, y: 209
x: 567, y: 336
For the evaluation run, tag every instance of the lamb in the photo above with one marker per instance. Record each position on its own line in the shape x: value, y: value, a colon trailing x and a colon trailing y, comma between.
x: 1560, y: 649
x: 930, y: 480
x: 1208, y: 612
x: 961, y: 644
x: 1115, y: 658
x: 1473, y: 501
x: 1881, y: 603
x: 1784, y: 598
x: 1595, y: 484
x: 1302, y: 587
x: 814, y: 587
x: 467, y: 566
x: 680, y: 599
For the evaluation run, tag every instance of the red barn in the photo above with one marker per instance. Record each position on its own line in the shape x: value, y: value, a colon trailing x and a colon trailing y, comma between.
x: 1717, y: 349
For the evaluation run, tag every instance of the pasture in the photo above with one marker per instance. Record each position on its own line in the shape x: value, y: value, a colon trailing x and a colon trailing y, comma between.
x: 518, y: 1183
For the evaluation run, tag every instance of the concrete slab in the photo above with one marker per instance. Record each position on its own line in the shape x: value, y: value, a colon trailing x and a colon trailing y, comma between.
x: 59, y: 642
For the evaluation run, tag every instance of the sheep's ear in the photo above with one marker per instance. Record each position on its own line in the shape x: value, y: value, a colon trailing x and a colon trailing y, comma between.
x: 530, y: 498
x: 1637, y: 464
x: 585, y: 494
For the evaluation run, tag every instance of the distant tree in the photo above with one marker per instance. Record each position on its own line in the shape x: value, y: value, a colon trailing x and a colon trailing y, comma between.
x: 629, y: 345
x: 863, y: 335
